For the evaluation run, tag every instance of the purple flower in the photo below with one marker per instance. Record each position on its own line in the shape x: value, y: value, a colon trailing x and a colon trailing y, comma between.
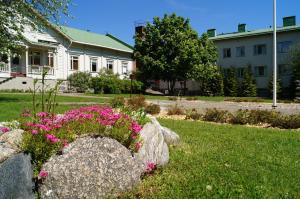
x: 4, y: 129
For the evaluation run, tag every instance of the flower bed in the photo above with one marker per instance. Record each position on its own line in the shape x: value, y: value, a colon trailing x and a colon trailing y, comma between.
x: 47, y: 134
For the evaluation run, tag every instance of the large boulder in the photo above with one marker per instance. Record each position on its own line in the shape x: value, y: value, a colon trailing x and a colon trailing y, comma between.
x: 154, y: 149
x: 90, y: 168
x: 14, y: 138
x: 16, y: 177
x: 171, y: 138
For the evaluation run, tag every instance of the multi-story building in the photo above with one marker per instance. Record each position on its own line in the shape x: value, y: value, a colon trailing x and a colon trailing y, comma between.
x: 255, y: 48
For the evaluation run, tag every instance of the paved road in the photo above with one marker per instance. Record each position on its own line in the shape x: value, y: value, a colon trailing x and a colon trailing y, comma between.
x: 230, y: 106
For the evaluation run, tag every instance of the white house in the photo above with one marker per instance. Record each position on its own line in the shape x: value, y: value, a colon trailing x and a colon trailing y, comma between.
x: 63, y: 51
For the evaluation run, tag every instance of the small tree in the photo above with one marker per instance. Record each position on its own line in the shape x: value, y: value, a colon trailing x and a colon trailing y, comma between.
x: 230, y: 82
x: 80, y: 81
x: 248, y: 84
x: 295, y: 62
x: 278, y: 86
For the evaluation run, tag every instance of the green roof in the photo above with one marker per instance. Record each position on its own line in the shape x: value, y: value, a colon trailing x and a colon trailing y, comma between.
x: 95, y: 39
x: 253, y: 33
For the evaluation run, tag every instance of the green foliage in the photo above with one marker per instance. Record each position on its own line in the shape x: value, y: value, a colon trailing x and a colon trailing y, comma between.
x: 193, y: 114
x: 215, y: 115
x: 169, y: 48
x: 117, y: 102
x: 248, y: 84
x: 109, y: 83
x: 175, y: 110
x: 230, y: 82
x: 152, y: 109
x: 278, y: 85
x: 80, y: 81
x: 16, y: 15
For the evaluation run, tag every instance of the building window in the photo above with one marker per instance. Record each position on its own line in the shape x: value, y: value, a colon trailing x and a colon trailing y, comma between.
x: 260, y: 49
x: 240, y: 72
x: 93, y: 64
x: 240, y: 51
x: 110, y: 65
x: 50, y: 61
x: 285, y: 69
x: 226, y: 52
x: 35, y: 58
x: 125, y: 68
x: 284, y: 47
x: 260, y: 71
x: 74, y: 62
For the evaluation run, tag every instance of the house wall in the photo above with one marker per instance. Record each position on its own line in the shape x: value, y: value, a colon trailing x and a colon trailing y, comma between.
x: 257, y: 60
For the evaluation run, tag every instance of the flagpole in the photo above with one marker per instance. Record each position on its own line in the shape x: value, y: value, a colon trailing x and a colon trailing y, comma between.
x: 274, y: 56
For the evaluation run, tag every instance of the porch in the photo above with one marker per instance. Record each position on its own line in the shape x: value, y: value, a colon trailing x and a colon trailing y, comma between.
x: 30, y: 62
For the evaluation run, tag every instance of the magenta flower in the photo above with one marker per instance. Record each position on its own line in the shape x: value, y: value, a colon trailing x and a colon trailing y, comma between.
x: 150, y: 167
x: 34, y: 132
x: 51, y: 138
x: 42, y: 114
x: 138, y: 145
x: 43, y: 174
x: 135, y: 127
x: 4, y: 129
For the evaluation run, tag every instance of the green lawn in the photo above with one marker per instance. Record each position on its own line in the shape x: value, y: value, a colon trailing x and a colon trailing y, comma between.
x: 236, y: 161
x: 11, y: 105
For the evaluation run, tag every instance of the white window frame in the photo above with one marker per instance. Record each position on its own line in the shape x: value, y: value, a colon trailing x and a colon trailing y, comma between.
x: 93, y: 60
x: 50, y: 59
x: 108, y: 63
x: 72, y: 58
x: 125, y: 66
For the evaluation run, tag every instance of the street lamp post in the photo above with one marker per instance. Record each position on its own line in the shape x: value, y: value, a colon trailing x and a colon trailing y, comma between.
x: 274, y: 56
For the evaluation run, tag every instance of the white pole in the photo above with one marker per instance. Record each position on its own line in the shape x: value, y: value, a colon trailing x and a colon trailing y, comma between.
x: 274, y: 56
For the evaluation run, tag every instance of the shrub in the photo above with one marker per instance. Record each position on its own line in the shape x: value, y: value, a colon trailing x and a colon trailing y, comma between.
x: 175, y: 110
x: 240, y: 117
x: 215, y: 115
x: 172, y: 98
x: 191, y: 98
x: 80, y: 81
x: 152, y: 109
x: 248, y: 84
x: 193, y: 114
x: 286, y: 121
x: 230, y: 82
x: 136, y: 102
x: 262, y: 116
x: 117, y: 102
x: 48, y: 134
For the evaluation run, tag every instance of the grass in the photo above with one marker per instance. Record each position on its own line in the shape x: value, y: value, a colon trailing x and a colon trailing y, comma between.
x: 11, y: 105
x: 236, y: 161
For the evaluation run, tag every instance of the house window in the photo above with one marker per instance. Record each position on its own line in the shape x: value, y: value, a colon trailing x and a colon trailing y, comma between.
x: 74, y: 62
x: 240, y: 72
x: 260, y: 49
x: 240, y: 51
x: 93, y: 64
x: 110, y: 65
x: 284, y: 47
x: 50, y: 60
x: 125, y: 68
x: 260, y: 71
x: 226, y: 52
x: 35, y: 58
x: 285, y: 69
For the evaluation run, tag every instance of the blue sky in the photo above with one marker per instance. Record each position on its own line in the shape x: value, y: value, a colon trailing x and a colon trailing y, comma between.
x: 117, y: 17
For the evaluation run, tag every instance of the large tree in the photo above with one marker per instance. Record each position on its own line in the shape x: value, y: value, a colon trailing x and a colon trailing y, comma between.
x: 15, y: 15
x: 169, y: 49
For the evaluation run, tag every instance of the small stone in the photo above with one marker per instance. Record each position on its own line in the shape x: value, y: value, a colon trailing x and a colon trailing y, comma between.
x: 208, y: 187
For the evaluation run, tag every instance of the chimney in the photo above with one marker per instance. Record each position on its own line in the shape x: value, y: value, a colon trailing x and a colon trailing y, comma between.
x: 242, y: 27
x: 289, y: 21
x: 212, y: 32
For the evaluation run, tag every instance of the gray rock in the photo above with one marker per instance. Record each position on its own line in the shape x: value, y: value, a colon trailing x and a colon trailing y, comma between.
x: 16, y: 178
x: 90, y: 168
x: 171, y: 138
x: 6, y: 151
x: 14, y: 138
x: 154, y: 149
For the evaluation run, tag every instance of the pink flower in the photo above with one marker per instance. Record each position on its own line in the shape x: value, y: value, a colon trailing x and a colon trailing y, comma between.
x: 4, y: 129
x: 26, y: 113
x: 150, y: 167
x: 43, y: 174
x: 34, y: 132
x: 65, y: 143
x: 52, y: 138
x: 138, y: 145
x: 42, y: 114
x: 135, y: 127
